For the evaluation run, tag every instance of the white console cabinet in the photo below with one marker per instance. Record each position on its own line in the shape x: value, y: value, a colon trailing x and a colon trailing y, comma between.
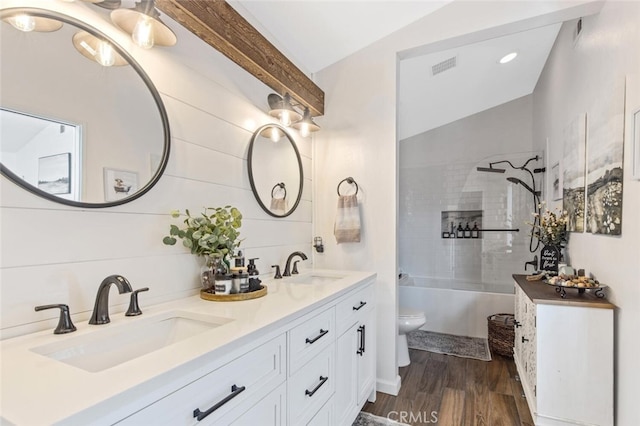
x: 563, y: 352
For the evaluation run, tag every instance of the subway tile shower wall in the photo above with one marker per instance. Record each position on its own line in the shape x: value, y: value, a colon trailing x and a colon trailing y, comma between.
x: 428, y: 190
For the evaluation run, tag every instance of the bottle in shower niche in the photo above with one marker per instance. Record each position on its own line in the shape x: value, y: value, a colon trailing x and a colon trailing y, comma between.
x: 460, y: 231
x: 467, y: 231
x: 452, y: 234
x: 475, y: 231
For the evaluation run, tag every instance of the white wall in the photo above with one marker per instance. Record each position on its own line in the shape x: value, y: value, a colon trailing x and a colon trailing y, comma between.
x: 359, y: 139
x: 572, y: 80
x: 52, y: 253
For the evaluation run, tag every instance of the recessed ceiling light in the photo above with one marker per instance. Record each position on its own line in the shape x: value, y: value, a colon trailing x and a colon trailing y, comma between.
x: 508, y: 58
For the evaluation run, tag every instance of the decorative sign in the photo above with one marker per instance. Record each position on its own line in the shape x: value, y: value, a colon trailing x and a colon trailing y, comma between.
x: 549, y: 258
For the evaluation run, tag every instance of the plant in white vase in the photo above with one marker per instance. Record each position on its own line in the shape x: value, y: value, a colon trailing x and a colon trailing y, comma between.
x: 214, y: 233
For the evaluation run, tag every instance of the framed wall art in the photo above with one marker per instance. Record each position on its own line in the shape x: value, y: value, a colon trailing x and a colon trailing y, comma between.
x: 54, y: 173
x: 119, y: 184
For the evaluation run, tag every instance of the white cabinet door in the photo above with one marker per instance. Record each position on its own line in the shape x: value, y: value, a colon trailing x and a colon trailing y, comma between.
x: 345, y: 402
x: 366, y: 356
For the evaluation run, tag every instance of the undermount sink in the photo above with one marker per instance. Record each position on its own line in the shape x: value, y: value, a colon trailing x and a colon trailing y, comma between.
x: 314, y: 278
x: 107, y: 348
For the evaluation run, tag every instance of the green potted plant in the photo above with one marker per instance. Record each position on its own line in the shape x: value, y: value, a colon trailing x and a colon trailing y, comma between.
x: 213, y: 234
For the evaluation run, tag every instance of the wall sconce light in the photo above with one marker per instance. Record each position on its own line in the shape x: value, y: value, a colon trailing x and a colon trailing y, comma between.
x: 95, y: 49
x: 306, y: 125
x: 27, y: 23
x: 282, y: 108
x: 144, y: 24
x: 272, y: 133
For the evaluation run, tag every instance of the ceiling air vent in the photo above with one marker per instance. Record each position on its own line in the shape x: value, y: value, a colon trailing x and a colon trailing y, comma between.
x: 577, y: 31
x: 443, y: 66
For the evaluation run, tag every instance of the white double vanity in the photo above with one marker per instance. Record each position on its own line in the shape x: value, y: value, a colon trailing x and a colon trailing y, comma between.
x: 303, y: 354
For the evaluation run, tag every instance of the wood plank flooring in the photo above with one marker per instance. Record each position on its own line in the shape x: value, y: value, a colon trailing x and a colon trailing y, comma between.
x: 445, y: 390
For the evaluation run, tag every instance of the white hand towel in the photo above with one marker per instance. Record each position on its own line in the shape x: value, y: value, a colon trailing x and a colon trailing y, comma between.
x: 278, y: 206
x: 347, y: 226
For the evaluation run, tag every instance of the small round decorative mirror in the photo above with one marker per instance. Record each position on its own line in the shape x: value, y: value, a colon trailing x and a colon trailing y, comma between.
x: 275, y: 170
x: 81, y: 122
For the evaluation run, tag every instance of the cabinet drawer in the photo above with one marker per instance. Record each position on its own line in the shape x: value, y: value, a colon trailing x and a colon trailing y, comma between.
x: 311, y: 387
x: 348, y: 311
x: 324, y: 417
x: 257, y: 372
x: 270, y: 411
x: 309, y: 338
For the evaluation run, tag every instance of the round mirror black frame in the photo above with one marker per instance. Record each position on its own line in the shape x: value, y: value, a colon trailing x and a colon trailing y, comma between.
x: 250, y: 169
x: 7, y: 13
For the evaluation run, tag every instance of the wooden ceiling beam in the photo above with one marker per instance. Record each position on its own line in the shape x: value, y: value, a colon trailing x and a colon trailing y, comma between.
x: 220, y: 26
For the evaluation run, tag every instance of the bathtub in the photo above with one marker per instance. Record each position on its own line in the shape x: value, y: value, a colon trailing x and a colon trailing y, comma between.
x: 455, y: 307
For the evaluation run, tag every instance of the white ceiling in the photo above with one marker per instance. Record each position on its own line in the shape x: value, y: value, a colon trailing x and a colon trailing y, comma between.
x: 314, y: 34
x: 478, y: 81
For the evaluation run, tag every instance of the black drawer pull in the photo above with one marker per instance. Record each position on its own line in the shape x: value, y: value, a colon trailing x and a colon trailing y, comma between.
x: 524, y: 340
x: 517, y: 324
x: 360, y: 306
x: 322, y: 382
x: 322, y: 333
x: 235, y: 391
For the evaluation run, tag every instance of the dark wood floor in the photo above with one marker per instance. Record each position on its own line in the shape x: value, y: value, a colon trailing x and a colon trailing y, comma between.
x: 460, y: 391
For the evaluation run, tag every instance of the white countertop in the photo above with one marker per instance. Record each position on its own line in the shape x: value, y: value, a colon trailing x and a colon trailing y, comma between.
x: 38, y: 390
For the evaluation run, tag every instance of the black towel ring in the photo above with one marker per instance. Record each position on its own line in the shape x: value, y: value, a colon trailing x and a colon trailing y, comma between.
x: 281, y: 186
x: 350, y: 180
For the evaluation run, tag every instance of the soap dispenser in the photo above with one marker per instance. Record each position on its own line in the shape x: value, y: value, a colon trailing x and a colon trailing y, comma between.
x: 252, y: 271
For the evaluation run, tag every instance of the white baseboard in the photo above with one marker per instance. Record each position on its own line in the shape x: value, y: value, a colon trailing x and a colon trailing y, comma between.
x: 391, y: 388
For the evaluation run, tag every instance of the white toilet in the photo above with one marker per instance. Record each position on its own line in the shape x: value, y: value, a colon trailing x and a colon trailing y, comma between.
x: 408, y: 320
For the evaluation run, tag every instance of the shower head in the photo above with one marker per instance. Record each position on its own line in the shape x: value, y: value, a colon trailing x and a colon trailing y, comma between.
x: 519, y: 182
x: 490, y: 169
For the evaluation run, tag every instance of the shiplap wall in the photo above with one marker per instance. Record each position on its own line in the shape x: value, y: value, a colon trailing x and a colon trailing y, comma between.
x: 51, y: 253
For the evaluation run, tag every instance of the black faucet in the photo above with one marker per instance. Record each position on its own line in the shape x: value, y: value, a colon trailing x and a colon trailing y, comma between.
x: 100, y: 313
x: 287, y: 267
x: 533, y: 263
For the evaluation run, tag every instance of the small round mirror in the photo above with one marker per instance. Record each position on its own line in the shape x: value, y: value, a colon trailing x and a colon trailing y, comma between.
x: 81, y: 122
x: 275, y: 170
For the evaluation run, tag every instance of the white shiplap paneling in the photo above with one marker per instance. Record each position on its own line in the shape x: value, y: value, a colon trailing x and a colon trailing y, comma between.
x: 52, y: 253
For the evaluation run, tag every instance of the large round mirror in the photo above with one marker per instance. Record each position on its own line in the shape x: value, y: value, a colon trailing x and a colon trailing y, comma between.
x: 275, y: 170
x: 80, y: 124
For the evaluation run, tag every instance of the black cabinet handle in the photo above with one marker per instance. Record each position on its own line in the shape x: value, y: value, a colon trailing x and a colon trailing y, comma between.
x: 360, y: 306
x: 235, y: 391
x: 360, y: 350
x: 524, y: 340
x: 517, y: 324
x: 322, y: 382
x: 322, y: 333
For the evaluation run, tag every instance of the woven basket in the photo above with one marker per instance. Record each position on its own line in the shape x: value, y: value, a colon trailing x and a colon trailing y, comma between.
x: 501, y: 334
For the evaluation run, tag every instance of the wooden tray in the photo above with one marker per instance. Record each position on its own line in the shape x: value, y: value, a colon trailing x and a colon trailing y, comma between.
x: 233, y: 297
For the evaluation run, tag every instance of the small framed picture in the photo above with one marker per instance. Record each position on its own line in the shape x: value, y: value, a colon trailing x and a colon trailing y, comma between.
x: 54, y: 173
x: 119, y: 184
x: 636, y: 145
x: 556, y: 182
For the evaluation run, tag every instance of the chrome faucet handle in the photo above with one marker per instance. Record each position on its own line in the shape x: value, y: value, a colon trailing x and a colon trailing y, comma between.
x: 277, y: 276
x: 134, y: 307
x: 64, y: 323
